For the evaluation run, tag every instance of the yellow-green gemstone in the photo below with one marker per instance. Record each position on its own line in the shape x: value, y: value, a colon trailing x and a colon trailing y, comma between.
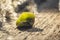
x: 25, y: 19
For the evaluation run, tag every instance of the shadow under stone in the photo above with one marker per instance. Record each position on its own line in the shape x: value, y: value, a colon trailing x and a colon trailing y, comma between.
x: 30, y: 29
x: 35, y: 30
x: 24, y: 28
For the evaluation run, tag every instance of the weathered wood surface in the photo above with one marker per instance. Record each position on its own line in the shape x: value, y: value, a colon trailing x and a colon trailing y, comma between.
x: 46, y: 27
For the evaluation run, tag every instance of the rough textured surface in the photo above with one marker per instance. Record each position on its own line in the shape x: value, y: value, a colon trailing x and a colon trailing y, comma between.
x: 46, y: 26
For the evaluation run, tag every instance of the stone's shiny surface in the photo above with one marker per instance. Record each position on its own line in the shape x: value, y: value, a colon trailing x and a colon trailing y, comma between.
x: 26, y: 19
